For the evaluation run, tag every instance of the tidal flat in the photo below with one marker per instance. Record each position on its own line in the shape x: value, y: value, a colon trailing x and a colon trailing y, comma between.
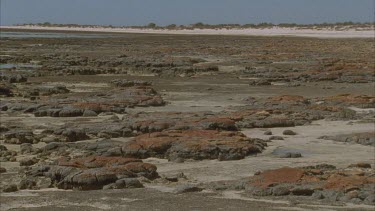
x: 102, y: 121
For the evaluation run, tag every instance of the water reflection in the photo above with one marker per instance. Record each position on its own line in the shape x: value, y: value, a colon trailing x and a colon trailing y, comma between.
x: 19, y: 67
x: 52, y: 35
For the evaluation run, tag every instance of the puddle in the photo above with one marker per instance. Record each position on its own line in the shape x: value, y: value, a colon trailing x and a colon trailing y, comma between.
x: 19, y: 194
x: 237, y: 195
x: 247, y: 78
x: 7, y: 66
x: 51, y: 35
x: 362, y: 110
x: 18, y: 67
x: 283, y: 151
x: 278, y: 84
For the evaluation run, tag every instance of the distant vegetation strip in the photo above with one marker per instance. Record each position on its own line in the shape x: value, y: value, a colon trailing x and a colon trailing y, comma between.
x: 200, y: 25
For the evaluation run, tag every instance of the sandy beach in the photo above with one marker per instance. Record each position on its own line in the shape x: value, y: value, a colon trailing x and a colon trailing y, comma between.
x: 274, y: 31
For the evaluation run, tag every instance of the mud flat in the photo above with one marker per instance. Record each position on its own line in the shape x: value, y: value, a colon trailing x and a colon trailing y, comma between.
x: 151, y: 121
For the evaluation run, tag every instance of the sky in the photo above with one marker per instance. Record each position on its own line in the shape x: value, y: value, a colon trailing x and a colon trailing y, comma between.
x: 164, y: 12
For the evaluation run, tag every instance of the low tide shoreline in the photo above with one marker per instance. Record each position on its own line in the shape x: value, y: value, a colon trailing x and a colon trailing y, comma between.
x: 275, y: 31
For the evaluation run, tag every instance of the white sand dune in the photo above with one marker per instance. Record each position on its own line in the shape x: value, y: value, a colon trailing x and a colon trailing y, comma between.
x: 274, y: 31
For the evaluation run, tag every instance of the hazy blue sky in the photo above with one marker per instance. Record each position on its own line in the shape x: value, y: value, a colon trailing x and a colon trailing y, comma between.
x: 163, y: 12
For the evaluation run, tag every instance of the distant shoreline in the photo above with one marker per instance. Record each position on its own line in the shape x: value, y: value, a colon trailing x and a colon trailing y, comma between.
x: 272, y: 31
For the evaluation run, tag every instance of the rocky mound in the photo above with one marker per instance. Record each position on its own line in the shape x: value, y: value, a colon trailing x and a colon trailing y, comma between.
x: 125, y: 64
x: 357, y: 138
x: 87, y: 104
x: 47, y: 90
x: 139, y: 123
x: 13, y: 78
x: 295, y: 99
x: 362, y: 101
x: 19, y: 136
x: 95, y: 172
x: 193, y: 144
x: 105, y: 147
x: 129, y: 83
x: 275, y: 117
x: 320, y: 182
x: 327, y: 69
x: 7, y: 155
x: 6, y: 89
x: 157, y: 122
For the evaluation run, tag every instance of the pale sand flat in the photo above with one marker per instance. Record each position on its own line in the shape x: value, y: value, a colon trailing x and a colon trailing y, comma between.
x: 274, y: 31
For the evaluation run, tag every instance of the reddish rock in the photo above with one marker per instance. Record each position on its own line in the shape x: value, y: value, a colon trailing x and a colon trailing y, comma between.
x: 352, y: 99
x: 278, y: 176
x: 195, y: 144
x: 312, y: 178
x: 325, y: 108
x: 288, y: 98
x: 218, y: 123
x: 345, y: 183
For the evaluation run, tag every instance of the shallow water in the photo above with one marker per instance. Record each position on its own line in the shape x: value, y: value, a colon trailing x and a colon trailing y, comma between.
x: 7, y: 66
x: 282, y: 151
x: 19, y: 67
x: 50, y: 35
